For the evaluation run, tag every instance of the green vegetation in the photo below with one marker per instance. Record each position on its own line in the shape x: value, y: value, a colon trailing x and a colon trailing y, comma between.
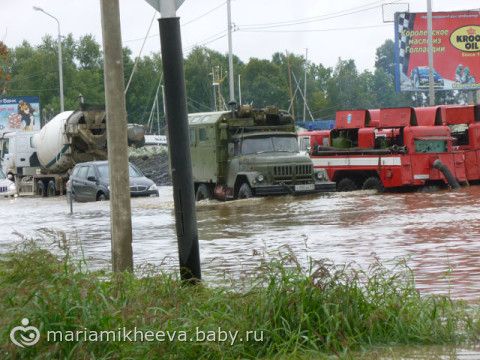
x: 327, y: 310
x: 32, y: 70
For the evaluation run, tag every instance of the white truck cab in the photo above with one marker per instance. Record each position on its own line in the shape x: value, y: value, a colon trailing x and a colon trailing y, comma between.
x: 17, y: 153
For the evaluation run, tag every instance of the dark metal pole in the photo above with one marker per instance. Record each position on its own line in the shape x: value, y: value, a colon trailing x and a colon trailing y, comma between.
x: 179, y: 150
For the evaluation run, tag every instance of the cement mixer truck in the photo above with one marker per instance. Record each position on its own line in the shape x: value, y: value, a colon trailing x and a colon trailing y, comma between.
x: 40, y: 162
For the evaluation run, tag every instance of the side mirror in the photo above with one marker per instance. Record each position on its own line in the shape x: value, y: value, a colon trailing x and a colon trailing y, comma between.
x: 91, y: 178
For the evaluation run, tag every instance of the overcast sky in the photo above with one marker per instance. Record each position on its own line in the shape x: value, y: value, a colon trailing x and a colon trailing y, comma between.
x: 328, y: 28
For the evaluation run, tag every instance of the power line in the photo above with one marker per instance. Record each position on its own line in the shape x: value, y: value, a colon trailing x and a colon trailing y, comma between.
x: 199, y: 104
x: 204, y: 14
x: 317, y: 30
x: 208, y: 40
x: 351, y: 11
x: 184, y: 24
x: 139, y: 54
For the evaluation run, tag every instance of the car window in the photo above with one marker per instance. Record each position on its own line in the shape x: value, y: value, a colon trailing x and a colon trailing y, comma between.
x: 133, y: 172
x: 75, y: 171
x: 82, y: 172
x: 91, y: 172
x: 103, y: 171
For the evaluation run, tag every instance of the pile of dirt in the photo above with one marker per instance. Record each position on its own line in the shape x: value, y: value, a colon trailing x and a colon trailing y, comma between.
x: 153, y: 162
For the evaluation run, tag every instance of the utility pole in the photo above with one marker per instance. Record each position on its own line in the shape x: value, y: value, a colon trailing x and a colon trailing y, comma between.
x: 239, y: 89
x: 305, y: 87
x: 292, y: 100
x: 120, y: 208
x: 431, y: 88
x: 158, y: 113
x: 218, y: 99
x: 230, y: 54
x: 178, y: 143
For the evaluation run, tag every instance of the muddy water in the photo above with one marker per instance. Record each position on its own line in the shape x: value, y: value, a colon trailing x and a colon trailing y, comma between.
x: 421, y: 353
x: 439, y: 233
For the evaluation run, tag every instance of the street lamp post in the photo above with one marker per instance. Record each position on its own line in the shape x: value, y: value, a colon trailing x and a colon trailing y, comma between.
x: 60, y: 64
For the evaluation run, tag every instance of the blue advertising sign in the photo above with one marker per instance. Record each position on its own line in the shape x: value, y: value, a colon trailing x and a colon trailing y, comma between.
x: 20, y: 113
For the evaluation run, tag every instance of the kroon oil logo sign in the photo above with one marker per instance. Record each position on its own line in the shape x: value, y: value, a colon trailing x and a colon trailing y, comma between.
x: 466, y: 38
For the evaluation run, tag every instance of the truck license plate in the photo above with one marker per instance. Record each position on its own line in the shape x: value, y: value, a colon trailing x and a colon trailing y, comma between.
x: 304, y: 187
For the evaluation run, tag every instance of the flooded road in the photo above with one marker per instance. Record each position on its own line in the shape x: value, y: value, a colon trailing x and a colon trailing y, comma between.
x: 438, y: 233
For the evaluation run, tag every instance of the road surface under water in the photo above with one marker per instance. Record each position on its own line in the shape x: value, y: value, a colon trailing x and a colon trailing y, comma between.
x: 438, y: 233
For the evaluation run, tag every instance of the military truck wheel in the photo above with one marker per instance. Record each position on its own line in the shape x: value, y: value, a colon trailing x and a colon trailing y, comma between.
x: 101, y: 197
x: 41, y: 191
x: 245, y: 191
x: 346, y: 184
x: 51, y: 189
x: 373, y: 183
x: 203, y: 193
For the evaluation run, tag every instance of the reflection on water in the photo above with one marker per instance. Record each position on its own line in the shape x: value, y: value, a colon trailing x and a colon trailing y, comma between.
x: 439, y: 232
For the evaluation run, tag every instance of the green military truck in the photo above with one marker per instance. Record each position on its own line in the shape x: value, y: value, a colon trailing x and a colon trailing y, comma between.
x: 248, y: 152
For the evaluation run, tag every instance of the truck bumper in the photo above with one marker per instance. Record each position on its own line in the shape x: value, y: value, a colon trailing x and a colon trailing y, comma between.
x: 326, y: 186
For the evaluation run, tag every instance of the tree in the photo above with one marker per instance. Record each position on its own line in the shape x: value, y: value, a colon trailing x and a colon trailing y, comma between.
x: 385, y: 57
x: 343, y: 87
x: 88, y: 53
x: 264, y: 84
x: 384, y: 90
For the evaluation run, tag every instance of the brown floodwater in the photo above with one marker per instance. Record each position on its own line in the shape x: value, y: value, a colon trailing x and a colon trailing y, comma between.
x: 438, y: 233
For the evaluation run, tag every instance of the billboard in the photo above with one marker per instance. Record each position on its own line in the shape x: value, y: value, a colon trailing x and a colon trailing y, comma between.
x: 20, y: 113
x: 456, y: 51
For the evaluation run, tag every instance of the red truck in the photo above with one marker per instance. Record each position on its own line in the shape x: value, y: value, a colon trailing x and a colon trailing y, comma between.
x: 464, y: 124
x: 385, y: 149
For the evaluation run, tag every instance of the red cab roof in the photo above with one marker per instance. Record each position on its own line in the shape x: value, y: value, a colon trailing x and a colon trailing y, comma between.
x: 397, y: 117
x: 352, y: 119
x: 459, y: 115
x: 430, y: 116
x: 374, y: 118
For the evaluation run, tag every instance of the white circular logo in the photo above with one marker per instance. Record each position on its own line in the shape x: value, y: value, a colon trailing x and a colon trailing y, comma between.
x: 25, y: 335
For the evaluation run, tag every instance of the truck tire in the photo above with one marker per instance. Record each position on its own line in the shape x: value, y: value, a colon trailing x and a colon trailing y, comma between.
x: 51, y: 188
x: 373, y: 183
x: 41, y: 191
x: 101, y: 197
x: 346, y: 184
x: 203, y: 193
x: 245, y: 191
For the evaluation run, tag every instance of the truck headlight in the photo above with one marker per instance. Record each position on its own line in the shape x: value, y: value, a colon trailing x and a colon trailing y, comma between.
x: 321, y: 174
x: 259, y: 178
x: 152, y: 188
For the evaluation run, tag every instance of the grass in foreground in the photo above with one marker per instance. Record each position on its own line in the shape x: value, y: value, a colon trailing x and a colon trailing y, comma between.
x: 325, y: 311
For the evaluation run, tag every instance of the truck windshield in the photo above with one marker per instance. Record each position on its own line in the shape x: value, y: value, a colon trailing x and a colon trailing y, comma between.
x: 4, y: 148
x: 430, y: 146
x: 257, y: 145
x: 103, y: 170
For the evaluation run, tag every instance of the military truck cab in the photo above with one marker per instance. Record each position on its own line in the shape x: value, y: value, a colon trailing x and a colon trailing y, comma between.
x: 249, y: 152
